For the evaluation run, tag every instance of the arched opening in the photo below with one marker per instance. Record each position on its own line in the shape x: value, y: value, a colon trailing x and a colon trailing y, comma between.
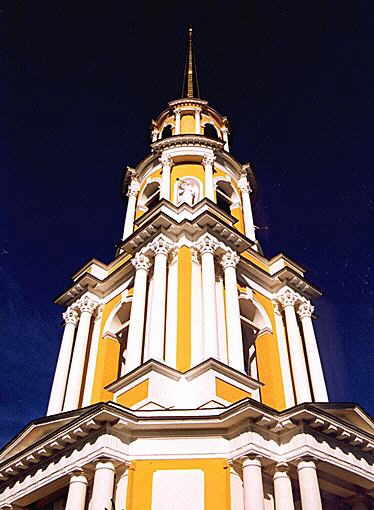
x: 252, y: 322
x: 119, y: 328
x: 225, y: 196
x: 151, y: 195
x: 210, y: 131
x: 167, y: 132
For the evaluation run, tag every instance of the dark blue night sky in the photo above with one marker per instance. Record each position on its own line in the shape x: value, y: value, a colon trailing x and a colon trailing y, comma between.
x: 82, y: 82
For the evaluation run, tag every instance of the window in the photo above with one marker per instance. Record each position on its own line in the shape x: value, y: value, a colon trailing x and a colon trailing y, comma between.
x: 167, y: 132
x: 151, y: 196
x: 223, y: 202
x: 210, y: 131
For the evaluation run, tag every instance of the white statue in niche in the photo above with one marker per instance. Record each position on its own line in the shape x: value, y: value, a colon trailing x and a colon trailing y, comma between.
x: 187, y: 191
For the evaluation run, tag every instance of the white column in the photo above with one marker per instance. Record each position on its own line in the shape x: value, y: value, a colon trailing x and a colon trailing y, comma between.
x: 283, y: 488
x: 247, y: 208
x: 208, y: 161
x: 207, y: 245
x: 288, y: 300
x: 160, y: 247
x: 221, y: 318
x: 166, y: 162
x: 121, y: 488
x: 56, y: 399
x: 317, y: 377
x: 92, y: 359
x: 197, y: 346
x: 76, y: 499
x: 172, y: 311
x: 136, y: 327
x: 198, y: 121
x: 229, y: 262
x: 253, y: 486
x: 102, y: 490
x: 132, y: 193
x: 225, y: 134
x: 308, y: 484
x: 283, y: 355
x: 236, y: 488
x: 177, y: 121
x: 86, y: 306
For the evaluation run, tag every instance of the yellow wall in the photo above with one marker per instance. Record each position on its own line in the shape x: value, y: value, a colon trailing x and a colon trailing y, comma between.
x: 187, y: 124
x: 229, y: 392
x: 237, y: 213
x: 216, y: 475
x: 182, y: 170
x: 268, y: 361
x: 134, y: 395
x: 107, y: 358
x: 184, y: 309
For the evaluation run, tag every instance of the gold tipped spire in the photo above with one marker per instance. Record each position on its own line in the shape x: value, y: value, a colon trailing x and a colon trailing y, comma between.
x: 190, y: 83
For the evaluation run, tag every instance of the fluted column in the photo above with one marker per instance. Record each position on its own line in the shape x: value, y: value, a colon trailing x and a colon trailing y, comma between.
x: 308, y: 484
x: 288, y: 300
x: 317, y: 377
x: 121, y: 487
x: 247, y: 208
x: 282, y: 488
x: 87, y: 306
x: 198, y: 121
x: 207, y: 246
x: 103, y: 484
x: 208, y: 161
x: 160, y: 247
x: 253, y: 485
x: 172, y: 311
x: 177, y: 121
x: 229, y: 262
x: 136, y: 327
x: 283, y: 355
x: 132, y: 193
x: 166, y: 162
x: 56, y: 399
x: 76, y: 499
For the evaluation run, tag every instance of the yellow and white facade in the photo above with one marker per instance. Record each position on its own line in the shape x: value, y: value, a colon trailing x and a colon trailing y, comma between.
x: 189, y: 374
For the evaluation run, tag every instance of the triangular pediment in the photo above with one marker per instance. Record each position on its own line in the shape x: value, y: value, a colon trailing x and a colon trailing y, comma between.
x: 350, y: 413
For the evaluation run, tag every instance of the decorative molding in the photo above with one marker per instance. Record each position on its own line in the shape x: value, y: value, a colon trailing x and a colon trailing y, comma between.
x: 305, y: 309
x: 161, y: 245
x: 230, y: 259
x: 208, y: 159
x: 134, y: 188
x: 86, y: 304
x: 207, y: 244
x: 166, y: 160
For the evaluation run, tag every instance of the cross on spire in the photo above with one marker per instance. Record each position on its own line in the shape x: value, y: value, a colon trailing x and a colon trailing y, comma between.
x: 190, y: 83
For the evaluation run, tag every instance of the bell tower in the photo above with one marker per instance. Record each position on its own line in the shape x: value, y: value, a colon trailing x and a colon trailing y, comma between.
x: 189, y: 373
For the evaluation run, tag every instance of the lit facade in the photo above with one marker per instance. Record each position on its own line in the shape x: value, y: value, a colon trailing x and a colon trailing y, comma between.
x: 189, y: 374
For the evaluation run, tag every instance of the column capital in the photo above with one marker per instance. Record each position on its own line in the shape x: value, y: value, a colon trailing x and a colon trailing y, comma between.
x: 251, y: 460
x: 277, y: 307
x: 70, y: 316
x: 307, y: 461
x: 133, y: 188
x: 86, y: 304
x: 207, y: 244
x: 288, y: 297
x: 104, y: 463
x: 165, y: 160
x: 208, y: 159
x: 177, y: 111
x: 230, y: 259
x: 305, y: 309
x: 161, y: 245
x: 243, y: 184
x: 141, y: 261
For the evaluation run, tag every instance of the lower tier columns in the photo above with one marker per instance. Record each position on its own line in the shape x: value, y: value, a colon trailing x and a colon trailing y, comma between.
x: 103, y: 484
x: 252, y: 483
x: 282, y: 488
x: 76, y: 499
x: 309, y: 487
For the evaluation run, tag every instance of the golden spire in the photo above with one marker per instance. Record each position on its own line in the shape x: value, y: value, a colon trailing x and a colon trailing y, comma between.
x: 190, y: 83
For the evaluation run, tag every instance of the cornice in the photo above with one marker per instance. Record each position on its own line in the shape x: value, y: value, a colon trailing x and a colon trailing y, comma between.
x: 186, y: 141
